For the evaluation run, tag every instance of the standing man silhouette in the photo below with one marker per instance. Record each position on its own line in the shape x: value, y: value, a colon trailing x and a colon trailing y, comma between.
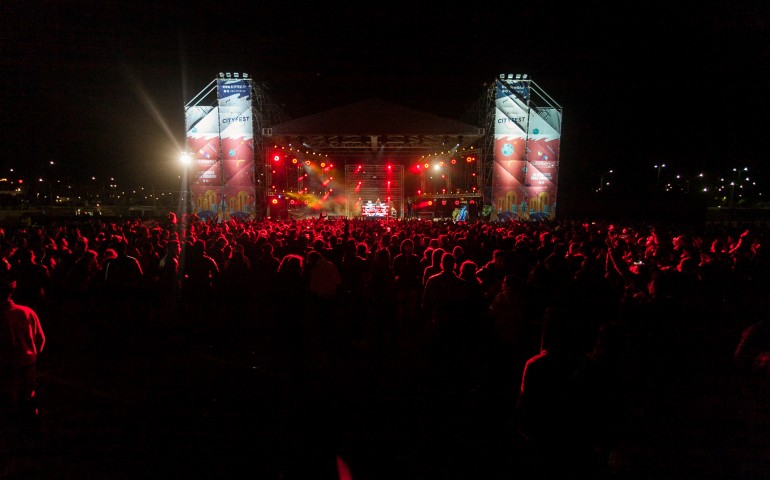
x: 21, y: 341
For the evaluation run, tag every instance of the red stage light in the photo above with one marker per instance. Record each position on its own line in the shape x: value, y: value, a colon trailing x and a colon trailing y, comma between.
x: 454, y: 162
x: 276, y: 157
x: 472, y: 202
x: 275, y: 201
x: 457, y: 202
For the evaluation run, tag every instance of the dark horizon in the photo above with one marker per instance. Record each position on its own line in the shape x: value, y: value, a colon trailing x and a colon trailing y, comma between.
x: 102, y: 89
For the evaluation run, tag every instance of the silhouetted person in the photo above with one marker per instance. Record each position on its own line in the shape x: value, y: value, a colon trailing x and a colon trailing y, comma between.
x: 381, y: 308
x: 123, y: 274
x: 323, y: 281
x: 513, y: 342
x: 264, y: 270
x: 476, y: 305
x: 545, y: 410
x: 169, y: 275
x: 290, y: 300
x: 474, y: 335
x: 598, y: 393
x: 32, y: 279
x: 491, y: 274
x: 444, y: 301
x: 170, y: 284
x: 149, y: 260
x: 752, y: 358
x: 21, y: 341
x: 235, y: 286
x: 355, y: 273
x: 121, y: 281
x: 406, y: 268
x: 435, y: 264
x: 199, y: 285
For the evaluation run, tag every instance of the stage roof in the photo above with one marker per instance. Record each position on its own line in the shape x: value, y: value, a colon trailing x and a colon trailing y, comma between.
x: 374, y: 127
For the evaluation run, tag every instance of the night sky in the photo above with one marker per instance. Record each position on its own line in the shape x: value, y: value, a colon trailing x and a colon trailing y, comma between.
x: 99, y: 88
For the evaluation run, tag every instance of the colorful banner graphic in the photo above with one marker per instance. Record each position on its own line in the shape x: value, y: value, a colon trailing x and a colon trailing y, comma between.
x: 526, y: 154
x: 221, y: 139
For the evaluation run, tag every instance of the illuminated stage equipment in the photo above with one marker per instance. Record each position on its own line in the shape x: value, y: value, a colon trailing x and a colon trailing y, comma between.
x: 506, y: 161
x: 527, y: 135
x: 219, y: 122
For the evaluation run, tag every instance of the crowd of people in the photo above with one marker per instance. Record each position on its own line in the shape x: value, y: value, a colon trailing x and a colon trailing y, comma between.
x: 571, y: 316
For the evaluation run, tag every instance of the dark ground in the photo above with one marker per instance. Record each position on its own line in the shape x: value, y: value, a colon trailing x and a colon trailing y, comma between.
x: 185, y: 404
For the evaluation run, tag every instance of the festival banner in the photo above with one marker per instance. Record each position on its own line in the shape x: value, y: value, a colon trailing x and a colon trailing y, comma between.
x: 203, y: 143
x: 526, y: 154
x: 237, y: 149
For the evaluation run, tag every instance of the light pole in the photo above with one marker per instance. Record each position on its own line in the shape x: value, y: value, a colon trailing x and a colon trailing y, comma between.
x: 733, y: 183
x: 185, y: 158
x: 657, y: 183
x: 601, y: 179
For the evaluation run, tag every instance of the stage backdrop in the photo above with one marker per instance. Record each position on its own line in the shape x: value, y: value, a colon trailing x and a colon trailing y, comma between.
x: 527, y: 136
x: 221, y: 139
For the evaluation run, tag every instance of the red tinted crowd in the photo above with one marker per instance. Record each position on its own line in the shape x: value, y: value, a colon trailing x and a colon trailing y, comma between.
x: 551, y: 310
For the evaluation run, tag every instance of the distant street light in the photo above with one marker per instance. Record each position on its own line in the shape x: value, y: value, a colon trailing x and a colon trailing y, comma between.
x: 601, y: 180
x: 733, y: 183
x: 657, y: 183
x: 185, y: 158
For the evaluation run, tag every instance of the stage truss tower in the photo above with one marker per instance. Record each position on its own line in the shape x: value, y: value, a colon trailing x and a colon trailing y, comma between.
x: 527, y: 137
